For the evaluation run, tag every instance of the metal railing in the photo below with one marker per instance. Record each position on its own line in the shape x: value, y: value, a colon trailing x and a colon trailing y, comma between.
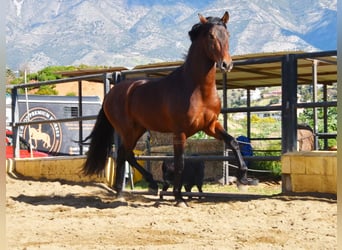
x: 115, y: 77
x: 15, y: 123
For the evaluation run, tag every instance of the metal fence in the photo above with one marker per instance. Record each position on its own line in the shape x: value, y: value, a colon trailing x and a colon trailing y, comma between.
x: 15, y: 124
x: 288, y: 108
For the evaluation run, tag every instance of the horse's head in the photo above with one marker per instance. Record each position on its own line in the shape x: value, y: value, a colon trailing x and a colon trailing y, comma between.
x: 215, y: 38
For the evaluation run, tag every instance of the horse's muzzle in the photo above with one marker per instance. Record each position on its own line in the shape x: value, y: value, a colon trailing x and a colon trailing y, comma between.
x: 224, y: 66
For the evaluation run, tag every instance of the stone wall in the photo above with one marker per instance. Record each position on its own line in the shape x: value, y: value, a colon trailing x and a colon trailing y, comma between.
x: 51, y: 168
x: 314, y: 171
x: 69, y: 168
x: 161, y: 144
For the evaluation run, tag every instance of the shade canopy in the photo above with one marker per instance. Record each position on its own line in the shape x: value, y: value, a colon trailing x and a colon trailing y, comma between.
x: 249, y: 71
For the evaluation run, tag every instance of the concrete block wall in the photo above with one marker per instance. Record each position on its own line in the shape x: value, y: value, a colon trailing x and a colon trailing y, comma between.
x: 52, y: 168
x: 310, y: 171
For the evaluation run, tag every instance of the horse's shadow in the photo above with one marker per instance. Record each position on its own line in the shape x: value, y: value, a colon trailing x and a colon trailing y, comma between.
x: 104, y: 198
x: 79, y: 201
x: 70, y: 200
x: 85, y: 201
x: 107, y: 200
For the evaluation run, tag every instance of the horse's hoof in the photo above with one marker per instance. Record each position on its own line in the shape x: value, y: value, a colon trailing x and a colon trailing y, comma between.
x: 120, y: 198
x: 181, y: 204
x: 242, y: 180
x: 241, y: 186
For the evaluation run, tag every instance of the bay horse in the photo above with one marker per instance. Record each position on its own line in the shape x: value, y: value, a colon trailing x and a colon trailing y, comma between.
x: 183, y: 103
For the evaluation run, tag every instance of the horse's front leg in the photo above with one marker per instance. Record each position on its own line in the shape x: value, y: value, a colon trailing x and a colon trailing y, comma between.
x: 178, y: 148
x: 217, y: 131
x: 234, y: 145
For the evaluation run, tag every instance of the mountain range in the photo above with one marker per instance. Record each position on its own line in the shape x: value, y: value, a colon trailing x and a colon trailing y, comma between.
x: 127, y: 33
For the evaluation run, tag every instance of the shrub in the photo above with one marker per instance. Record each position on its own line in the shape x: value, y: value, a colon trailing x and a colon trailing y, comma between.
x: 273, y: 166
x: 47, y: 90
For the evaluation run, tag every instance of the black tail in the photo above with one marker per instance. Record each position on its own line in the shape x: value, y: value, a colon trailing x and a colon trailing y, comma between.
x: 102, y: 139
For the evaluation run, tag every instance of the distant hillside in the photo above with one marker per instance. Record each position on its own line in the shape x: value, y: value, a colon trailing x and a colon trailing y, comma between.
x: 128, y: 33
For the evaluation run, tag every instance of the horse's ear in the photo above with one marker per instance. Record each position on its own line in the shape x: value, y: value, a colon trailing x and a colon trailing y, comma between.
x: 225, y: 17
x: 202, y: 19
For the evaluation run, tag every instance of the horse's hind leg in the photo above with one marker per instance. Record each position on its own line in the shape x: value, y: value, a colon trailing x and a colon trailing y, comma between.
x: 120, y: 170
x: 147, y: 175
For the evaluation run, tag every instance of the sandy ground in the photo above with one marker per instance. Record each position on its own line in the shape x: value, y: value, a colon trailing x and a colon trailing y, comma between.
x: 55, y: 215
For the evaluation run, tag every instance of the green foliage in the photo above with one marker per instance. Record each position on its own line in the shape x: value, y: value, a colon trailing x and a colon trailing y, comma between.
x: 47, y: 74
x: 46, y: 90
x: 273, y: 166
x: 235, y: 98
x: 332, y: 119
x: 275, y: 101
x: 200, y: 135
x: 305, y: 93
x: 307, y: 117
x: 261, y: 127
x: 17, y: 80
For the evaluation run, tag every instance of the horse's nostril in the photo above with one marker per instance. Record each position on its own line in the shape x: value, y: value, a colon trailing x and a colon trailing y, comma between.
x: 224, y: 66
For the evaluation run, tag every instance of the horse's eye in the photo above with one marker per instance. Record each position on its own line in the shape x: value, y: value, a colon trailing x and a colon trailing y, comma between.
x: 211, y: 36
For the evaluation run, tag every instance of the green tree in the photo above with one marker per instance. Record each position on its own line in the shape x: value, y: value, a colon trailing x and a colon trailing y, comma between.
x: 307, y: 116
x: 47, y: 90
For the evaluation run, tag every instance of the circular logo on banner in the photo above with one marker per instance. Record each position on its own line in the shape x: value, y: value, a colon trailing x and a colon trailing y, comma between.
x: 46, y: 137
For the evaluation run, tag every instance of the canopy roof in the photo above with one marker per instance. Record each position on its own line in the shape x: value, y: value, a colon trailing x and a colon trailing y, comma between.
x: 258, y: 74
x: 249, y: 71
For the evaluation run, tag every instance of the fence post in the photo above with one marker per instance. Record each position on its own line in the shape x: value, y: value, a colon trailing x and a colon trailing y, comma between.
x: 80, y: 114
x: 15, y: 118
x: 225, y: 164
x: 116, y: 78
x: 288, y: 110
x: 289, y: 103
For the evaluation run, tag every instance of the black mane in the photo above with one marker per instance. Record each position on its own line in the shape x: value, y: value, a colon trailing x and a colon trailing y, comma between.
x: 196, y: 29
